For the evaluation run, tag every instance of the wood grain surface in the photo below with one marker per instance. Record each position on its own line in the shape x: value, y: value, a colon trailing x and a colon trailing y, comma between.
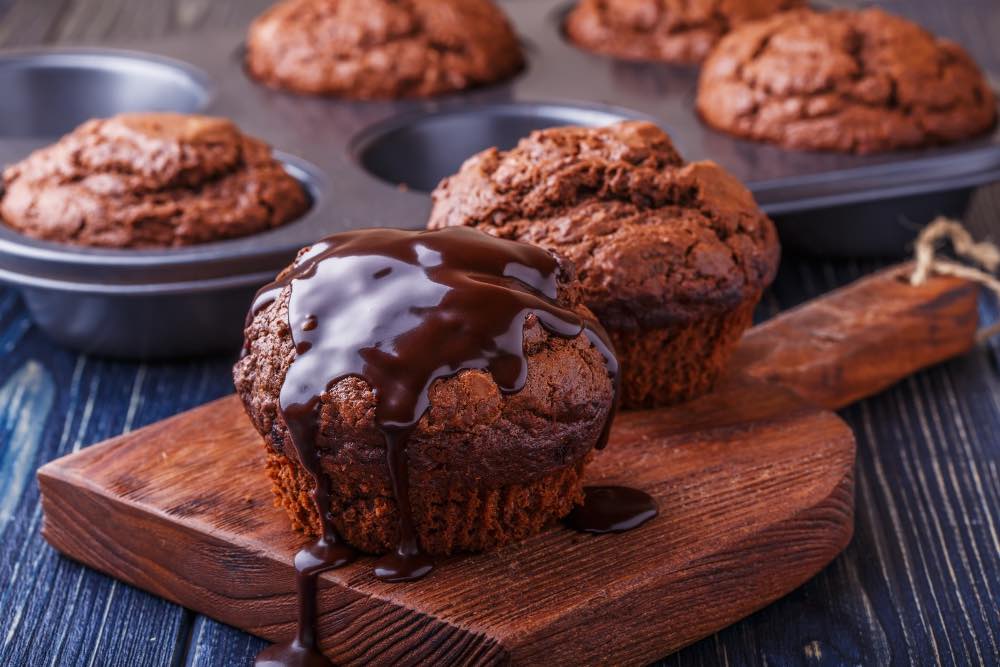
x: 755, y: 485
x: 756, y: 491
x: 815, y: 349
x: 919, y: 583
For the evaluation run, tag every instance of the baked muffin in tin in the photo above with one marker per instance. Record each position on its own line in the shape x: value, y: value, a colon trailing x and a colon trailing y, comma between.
x: 150, y: 180
x: 853, y: 81
x: 370, y: 49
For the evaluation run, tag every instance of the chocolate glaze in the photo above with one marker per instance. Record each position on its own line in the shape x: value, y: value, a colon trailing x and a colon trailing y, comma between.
x: 326, y: 553
x: 304, y: 651
x: 400, y: 310
x: 407, y: 562
x: 612, y: 509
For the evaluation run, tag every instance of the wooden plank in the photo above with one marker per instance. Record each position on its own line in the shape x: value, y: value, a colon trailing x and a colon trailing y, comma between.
x: 753, y: 505
x: 55, y: 611
x: 173, y: 479
x: 213, y: 643
x: 24, y: 23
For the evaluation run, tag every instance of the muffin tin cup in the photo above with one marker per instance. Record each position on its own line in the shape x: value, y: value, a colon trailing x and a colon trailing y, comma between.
x: 370, y: 164
x: 152, y: 321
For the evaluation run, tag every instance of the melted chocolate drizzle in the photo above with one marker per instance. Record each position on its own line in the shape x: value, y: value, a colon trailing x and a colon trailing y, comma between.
x: 400, y: 310
x: 612, y: 509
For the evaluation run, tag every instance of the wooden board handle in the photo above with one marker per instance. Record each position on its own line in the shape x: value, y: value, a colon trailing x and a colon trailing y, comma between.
x: 862, y: 338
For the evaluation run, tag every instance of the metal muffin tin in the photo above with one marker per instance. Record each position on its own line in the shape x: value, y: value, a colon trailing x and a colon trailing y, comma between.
x: 371, y: 164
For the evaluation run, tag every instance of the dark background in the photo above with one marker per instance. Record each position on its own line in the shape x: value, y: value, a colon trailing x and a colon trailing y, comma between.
x: 919, y: 584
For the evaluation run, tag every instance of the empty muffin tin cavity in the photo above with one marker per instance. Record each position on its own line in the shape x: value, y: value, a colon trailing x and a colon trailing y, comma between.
x: 417, y: 151
x: 47, y: 94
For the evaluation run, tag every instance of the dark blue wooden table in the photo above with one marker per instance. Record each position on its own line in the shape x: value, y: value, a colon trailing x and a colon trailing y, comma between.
x: 920, y: 583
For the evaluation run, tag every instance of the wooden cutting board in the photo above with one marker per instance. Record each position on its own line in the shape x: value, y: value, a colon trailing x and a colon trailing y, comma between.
x: 754, y: 484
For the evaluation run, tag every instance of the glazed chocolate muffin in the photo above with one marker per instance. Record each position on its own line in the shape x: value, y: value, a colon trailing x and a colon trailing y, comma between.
x: 677, y: 31
x: 850, y: 81
x: 366, y: 49
x: 150, y: 180
x: 672, y: 256
x: 490, y: 456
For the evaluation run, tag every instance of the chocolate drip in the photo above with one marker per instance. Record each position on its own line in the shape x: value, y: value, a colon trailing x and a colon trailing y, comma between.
x: 406, y: 562
x: 400, y: 310
x: 612, y: 509
x: 304, y: 651
x: 326, y: 553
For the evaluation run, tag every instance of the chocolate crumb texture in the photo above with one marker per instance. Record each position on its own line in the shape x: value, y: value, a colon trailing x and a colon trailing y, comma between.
x: 850, y: 81
x: 150, y: 180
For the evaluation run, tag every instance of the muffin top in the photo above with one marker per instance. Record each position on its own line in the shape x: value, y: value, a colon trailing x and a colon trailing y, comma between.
x: 852, y: 81
x: 149, y: 180
x: 680, y: 31
x: 478, y: 348
x: 655, y: 240
x: 367, y: 49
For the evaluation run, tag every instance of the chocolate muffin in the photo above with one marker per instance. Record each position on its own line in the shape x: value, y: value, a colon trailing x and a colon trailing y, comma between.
x: 489, y: 455
x: 150, y: 180
x: 366, y: 49
x: 851, y: 81
x: 677, y: 31
x: 672, y: 256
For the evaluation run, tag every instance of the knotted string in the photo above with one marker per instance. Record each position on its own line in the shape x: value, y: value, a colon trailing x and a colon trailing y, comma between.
x: 983, y: 253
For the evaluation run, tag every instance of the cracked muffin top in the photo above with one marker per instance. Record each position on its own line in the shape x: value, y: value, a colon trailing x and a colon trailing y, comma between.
x: 851, y: 81
x: 680, y: 31
x: 367, y: 49
x: 655, y: 240
x: 150, y: 180
x: 472, y: 431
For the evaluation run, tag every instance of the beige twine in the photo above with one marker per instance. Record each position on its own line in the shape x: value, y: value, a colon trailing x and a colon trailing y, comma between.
x: 983, y: 253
